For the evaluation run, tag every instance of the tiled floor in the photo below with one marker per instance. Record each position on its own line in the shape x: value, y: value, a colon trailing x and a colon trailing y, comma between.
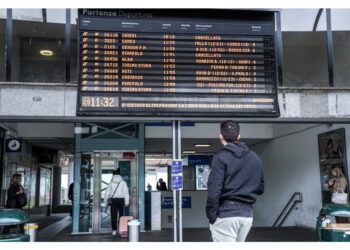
x: 58, y: 228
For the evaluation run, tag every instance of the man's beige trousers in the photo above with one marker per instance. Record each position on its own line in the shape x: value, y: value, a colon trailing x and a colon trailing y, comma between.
x: 231, y: 229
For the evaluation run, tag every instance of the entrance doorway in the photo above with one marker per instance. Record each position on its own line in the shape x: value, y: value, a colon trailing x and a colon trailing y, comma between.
x: 96, y: 173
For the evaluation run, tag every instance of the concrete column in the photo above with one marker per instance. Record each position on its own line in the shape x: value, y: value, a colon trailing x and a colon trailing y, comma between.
x: 56, y: 187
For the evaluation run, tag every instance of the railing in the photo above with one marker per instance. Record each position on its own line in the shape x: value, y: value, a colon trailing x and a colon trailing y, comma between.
x: 291, y: 201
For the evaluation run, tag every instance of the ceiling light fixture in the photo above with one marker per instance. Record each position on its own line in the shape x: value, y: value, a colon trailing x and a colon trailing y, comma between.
x: 46, y: 52
x: 155, y: 159
x: 202, y: 145
x: 188, y: 152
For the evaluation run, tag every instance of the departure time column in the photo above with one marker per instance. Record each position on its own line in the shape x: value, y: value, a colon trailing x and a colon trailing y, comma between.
x: 169, y: 63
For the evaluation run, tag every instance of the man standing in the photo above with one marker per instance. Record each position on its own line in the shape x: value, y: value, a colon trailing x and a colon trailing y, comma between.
x: 161, y: 185
x: 236, y: 178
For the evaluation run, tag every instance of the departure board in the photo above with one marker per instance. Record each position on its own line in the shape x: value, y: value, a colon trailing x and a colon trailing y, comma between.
x: 183, y: 63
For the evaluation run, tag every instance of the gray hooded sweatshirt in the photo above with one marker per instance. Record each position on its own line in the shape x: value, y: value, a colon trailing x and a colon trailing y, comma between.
x: 121, y: 192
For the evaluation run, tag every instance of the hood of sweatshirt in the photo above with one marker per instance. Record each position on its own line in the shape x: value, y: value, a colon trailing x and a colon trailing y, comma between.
x: 117, y: 178
x: 237, y: 148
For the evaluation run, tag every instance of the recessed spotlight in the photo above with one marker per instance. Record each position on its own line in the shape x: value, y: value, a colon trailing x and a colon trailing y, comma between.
x: 188, y: 152
x: 46, y: 52
x: 202, y: 145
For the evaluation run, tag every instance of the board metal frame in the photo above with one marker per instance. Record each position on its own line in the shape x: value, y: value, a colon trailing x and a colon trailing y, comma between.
x: 145, y: 115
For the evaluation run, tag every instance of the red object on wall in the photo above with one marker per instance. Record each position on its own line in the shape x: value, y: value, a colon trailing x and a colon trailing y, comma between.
x: 128, y: 155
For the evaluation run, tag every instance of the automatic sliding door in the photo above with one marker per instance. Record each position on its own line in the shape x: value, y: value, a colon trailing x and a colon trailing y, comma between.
x: 105, y: 164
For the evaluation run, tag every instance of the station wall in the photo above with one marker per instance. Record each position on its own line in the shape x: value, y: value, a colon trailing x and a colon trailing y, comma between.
x: 291, y: 164
x: 192, y: 217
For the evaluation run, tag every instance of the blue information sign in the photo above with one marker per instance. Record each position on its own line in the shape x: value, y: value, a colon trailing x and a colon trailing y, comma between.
x: 194, y: 160
x: 168, y: 202
x: 176, y: 175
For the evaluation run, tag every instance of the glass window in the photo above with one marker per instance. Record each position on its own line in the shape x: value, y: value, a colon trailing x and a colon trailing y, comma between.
x: 341, y: 46
x: 31, y: 202
x: 12, y: 168
x: 86, y: 192
x: 74, y: 47
x: 304, y: 41
x: 38, y: 47
x: 64, y: 185
x: 26, y: 183
x: 3, y: 15
x: 2, y: 144
x: 45, y: 186
x: 109, y: 130
x: 188, y: 179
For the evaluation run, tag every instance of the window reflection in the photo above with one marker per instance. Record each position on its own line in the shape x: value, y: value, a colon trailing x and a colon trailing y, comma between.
x: 303, y: 37
x: 45, y: 186
x: 38, y: 47
x: 341, y: 46
x: 304, y: 41
x: 74, y: 47
x: 3, y: 17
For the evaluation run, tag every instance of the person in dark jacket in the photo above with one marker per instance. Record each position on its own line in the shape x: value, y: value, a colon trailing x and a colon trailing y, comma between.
x: 70, y: 197
x: 236, y: 178
x: 14, y: 191
x: 161, y: 185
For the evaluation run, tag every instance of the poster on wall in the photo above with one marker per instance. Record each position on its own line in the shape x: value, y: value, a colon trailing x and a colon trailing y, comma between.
x: 332, y: 153
x: 201, y: 178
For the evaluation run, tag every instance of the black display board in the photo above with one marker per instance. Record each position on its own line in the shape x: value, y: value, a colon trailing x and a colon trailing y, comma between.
x: 177, y: 63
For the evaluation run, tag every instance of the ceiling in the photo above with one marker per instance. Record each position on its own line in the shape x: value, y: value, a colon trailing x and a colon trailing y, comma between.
x: 63, y: 144
x: 164, y: 146
x: 158, y: 150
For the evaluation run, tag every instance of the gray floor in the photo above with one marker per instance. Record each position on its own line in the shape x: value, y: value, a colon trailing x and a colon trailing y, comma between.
x: 58, y: 228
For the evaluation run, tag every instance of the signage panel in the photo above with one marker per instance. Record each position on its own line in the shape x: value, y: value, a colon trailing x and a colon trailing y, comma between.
x: 194, y: 160
x: 184, y: 63
x: 168, y: 202
x: 176, y: 175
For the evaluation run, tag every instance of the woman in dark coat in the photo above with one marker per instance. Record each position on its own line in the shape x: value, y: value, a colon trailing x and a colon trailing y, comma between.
x: 13, y: 193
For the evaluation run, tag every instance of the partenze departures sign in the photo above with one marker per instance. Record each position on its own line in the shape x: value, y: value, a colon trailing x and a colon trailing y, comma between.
x: 177, y: 63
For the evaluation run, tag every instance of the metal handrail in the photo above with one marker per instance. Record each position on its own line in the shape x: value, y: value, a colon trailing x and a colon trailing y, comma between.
x: 290, y: 209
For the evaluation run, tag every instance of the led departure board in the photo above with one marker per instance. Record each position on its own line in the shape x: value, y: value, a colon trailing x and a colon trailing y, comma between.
x: 183, y: 63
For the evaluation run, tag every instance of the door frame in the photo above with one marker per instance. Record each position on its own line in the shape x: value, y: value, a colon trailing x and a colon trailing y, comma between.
x: 96, y: 209
x: 95, y: 143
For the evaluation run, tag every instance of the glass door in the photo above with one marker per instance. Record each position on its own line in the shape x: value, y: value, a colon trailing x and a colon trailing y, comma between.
x: 106, y: 163
x: 86, y: 192
x: 107, y: 166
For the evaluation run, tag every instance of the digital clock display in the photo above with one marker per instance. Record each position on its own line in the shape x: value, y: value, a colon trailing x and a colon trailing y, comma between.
x: 177, y: 63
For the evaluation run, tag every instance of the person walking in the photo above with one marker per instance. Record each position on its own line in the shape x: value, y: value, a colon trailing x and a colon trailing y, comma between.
x: 117, y: 190
x: 235, y: 179
x: 16, y: 198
